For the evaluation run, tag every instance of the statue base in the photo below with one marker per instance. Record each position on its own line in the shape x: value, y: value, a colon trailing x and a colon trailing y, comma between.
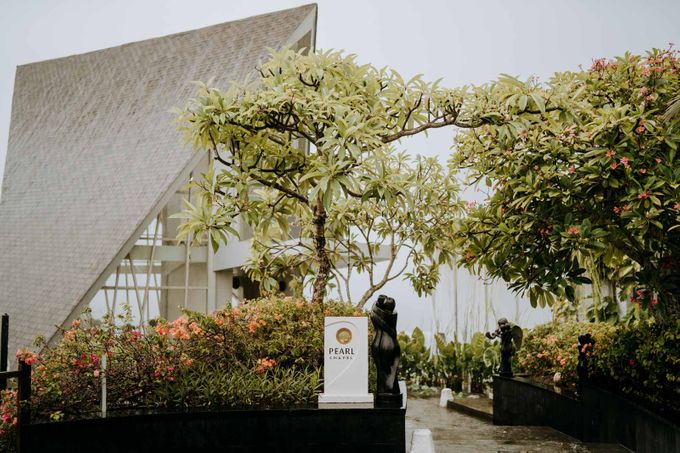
x: 389, y: 400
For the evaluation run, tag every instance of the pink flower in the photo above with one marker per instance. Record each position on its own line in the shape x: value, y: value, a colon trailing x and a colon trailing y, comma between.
x: 28, y: 357
x: 614, y: 165
x: 644, y: 91
x: 96, y: 373
x: 624, y: 162
x: 632, y: 362
x: 643, y: 171
x: 470, y: 205
x: 563, y: 362
x: 75, y: 323
x: 611, y: 153
x: 640, y: 129
x: 653, y: 302
x: 616, y: 210
x: 643, y: 196
x: 599, y: 64
x: 572, y: 169
x: 574, y: 230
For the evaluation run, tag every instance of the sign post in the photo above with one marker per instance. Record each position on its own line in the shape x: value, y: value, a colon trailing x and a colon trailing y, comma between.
x: 346, y: 363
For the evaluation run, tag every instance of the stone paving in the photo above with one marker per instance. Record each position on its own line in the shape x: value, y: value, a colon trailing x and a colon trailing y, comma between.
x: 454, y: 432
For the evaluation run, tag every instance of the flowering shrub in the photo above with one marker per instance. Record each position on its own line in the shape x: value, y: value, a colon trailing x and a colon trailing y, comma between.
x: 8, y: 419
x: 553, y: 348
x: 584, y: 172
x: 267, y: 352
x: 641, y: 360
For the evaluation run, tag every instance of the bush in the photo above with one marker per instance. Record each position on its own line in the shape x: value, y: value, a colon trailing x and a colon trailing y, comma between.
x: 640, y: 360
x: 450, y: 365
x: 8, y: 419
x: 643, y: 361
x: 553, y: 348
x: 265, y: 353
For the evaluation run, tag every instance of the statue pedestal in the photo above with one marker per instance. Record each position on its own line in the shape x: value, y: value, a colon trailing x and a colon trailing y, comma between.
x: 387, y: 400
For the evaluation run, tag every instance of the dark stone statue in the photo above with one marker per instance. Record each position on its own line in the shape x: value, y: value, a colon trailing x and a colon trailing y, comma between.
x: 386, y: 352
x: 511, y: 340
x: 585, y: 342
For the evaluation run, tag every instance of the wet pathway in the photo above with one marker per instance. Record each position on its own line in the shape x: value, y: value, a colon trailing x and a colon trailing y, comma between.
x: 454, y: 432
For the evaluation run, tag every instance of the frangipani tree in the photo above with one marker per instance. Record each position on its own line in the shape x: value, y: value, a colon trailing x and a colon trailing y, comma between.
x: 373, y: 236
x: 585, y: 181
x: 305, y: 150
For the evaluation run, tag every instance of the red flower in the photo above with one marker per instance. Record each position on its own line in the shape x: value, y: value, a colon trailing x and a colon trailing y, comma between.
x: 643, y: 196
x: 616, y: 210
x: 599, y: 64
x: 574, y: 230
x: 632, y: 362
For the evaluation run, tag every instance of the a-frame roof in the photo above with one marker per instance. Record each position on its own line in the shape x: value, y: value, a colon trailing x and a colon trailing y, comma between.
x: 93, y: 150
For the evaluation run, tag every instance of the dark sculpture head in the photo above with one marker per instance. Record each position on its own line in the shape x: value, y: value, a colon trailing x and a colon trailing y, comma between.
x: 586, y: 339
x: 503, y: 325
x: 386, y: 303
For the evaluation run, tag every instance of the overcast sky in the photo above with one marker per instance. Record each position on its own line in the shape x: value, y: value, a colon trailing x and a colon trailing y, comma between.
x: 462, y: 42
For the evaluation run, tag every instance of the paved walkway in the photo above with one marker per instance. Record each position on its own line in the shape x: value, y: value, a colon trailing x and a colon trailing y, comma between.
x: 454, y: 432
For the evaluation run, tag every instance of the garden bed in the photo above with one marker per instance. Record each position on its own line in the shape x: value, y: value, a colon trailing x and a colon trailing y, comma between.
x: 597, y: 416
x: 279, y: 430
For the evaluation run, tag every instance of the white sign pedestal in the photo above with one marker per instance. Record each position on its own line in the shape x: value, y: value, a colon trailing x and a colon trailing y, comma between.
x: 346, y: 363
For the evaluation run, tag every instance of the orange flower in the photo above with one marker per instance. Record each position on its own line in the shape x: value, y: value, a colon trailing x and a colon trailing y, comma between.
x: 162, y: 329
x: 264, y: 364
x: 195, y: 329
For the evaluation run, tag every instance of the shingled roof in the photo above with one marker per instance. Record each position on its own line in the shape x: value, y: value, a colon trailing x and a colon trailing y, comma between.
x: 93, y: 151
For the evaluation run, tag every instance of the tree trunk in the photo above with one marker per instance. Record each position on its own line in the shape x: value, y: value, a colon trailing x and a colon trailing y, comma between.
x: 324, y: 272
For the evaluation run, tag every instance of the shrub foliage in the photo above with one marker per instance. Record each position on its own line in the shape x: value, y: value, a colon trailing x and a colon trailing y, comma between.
x: 266, y: 353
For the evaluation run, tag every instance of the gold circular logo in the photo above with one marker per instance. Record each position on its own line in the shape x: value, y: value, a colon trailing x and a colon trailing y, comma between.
x: 343, y: 335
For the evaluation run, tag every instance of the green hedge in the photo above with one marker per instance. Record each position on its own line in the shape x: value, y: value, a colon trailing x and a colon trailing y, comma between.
x: 641, y: 360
